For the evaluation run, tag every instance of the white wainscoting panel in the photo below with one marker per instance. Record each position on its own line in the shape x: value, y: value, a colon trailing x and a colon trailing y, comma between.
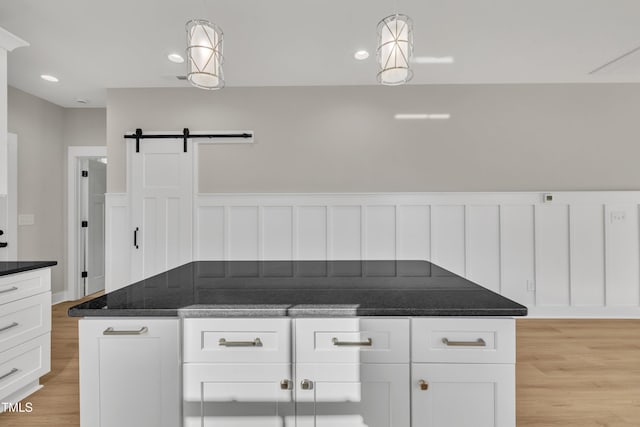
x: 243, y: 235
x: 414, y: 232
x: 380, y: 236
x: 311, y: 233
x: 277, y: 232
x: 621, y: 231
x: 482, y: 249
x: 517, y: 253
x: 118, y: 241
x: 345, y: 232
x: 576, y: 256
x: 447, y: 237
x: 586, y: 228
x: 552, y: 255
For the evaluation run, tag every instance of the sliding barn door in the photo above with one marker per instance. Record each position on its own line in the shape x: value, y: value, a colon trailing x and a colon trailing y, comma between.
x: 161, y: 201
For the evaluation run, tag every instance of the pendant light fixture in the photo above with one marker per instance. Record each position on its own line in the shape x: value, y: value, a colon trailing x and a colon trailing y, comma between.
x: 395, y: 48
x: 204, y: 54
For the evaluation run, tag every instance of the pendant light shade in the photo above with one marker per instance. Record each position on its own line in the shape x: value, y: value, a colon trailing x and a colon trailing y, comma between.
x: 395, y: 48
x: 204, y: 54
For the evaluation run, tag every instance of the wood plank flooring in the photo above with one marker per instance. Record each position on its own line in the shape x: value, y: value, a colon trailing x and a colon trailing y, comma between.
x: 582, y: 373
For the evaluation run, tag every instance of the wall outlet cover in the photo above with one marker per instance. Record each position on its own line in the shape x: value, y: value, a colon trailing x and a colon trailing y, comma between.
x: 26, y: 219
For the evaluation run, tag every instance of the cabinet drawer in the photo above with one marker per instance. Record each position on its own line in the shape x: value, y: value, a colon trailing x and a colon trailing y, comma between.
x: 353, y: 340
x: 24, y: 363
x: 21, y: 285
x: 24, y: 319
x: 237, y: 340
x: 463, y: 340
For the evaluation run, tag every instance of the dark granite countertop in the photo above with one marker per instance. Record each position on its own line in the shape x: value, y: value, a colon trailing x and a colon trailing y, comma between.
x: 302, y: 288
x: 12, y: 267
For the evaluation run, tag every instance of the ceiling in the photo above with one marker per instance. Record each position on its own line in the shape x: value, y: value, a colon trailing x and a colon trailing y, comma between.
x: 93, y: 45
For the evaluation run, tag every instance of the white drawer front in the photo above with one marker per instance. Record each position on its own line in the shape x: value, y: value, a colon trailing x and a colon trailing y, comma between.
x: 21, y: 285
x: 352, y: 340
x: 237, y: 340
x: 463, y: 340
x: 24, y: 319
x: 24, y: 363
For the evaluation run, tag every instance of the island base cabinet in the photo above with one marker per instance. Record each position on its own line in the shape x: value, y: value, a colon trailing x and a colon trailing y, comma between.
x: 463, y: 395
x: 130, y: 373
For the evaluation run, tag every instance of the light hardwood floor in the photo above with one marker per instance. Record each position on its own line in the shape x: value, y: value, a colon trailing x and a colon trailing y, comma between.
x: 582, y: 373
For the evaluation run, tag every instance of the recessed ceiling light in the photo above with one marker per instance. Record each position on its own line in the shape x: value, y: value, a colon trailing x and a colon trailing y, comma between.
x: 82, y: 100
x: 361, y: 55
x: 49, y: 78
x: 433, y: 60
x: 174, y: 57
x: 439, y: 116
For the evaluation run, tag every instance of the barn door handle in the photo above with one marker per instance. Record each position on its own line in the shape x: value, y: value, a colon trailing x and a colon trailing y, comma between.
x: 135, y: 237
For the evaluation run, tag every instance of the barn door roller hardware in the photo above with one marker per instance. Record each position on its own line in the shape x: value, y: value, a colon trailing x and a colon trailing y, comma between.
x: 138, y: 135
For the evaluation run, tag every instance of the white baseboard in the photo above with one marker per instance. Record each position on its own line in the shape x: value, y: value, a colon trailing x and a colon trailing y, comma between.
x: 58, y: 297
x: 632, y: 312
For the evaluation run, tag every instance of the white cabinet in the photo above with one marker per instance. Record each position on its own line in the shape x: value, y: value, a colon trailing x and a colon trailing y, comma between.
x: 463, y: 395
x: 237, y: 373
x: 25, y: 332
x: 130, y: 372
x: 296, y: 373
x: 463, y: 372
x: 8, y: 42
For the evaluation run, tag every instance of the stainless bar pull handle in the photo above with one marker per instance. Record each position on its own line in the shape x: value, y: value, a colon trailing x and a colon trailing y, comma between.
x: 13, y: 325
x: 306, y: 384
x: 8, y: 374
x: 111, y: 331
x: 286, y: 385
x: 423, y: 385
x: 477, y: 343
x: 255, y: 343
x: 338, y: 343
x: 11, y: 289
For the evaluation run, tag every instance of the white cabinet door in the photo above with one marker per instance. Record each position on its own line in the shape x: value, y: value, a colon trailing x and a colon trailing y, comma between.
x: 160, y: 185
x: 352, y: 395
x: 463, y: 395
x: 95, y: 232
x: 237, y: 395
x: 129, y: 373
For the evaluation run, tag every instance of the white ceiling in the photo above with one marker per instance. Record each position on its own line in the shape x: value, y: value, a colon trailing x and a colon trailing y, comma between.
x: 92, y: 45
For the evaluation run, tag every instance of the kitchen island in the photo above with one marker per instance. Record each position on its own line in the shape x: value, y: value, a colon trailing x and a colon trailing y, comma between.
x: 299, y: 343
x: 25, y: 328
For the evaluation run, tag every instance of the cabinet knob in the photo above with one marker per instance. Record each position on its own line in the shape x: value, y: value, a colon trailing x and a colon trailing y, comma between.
x: 285, y: 385
x: 423, y: 385
x: 306, y: 384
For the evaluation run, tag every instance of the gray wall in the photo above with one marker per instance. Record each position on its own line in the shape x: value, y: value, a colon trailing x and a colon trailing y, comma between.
x: 44, y: 131
x: 344, y: 139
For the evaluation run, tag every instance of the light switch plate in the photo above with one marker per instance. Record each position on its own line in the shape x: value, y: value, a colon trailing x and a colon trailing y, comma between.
x: 26, y: 219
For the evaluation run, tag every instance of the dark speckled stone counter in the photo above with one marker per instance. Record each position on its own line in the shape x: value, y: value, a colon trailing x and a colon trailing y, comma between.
x: 12, y: 267
x: 302, y: 289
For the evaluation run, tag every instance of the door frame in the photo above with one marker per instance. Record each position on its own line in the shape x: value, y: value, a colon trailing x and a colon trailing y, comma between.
x: 74, y: 289
x: 11, y: 230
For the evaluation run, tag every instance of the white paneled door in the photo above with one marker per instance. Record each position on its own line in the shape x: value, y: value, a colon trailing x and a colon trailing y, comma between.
x: 161, y: 187
x: 97, y: 184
